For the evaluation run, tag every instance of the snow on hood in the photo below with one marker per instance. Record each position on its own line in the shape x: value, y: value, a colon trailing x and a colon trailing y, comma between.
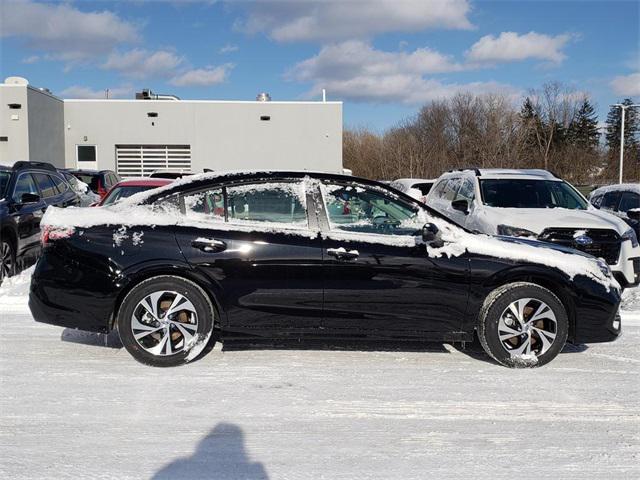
x: 538, y: 219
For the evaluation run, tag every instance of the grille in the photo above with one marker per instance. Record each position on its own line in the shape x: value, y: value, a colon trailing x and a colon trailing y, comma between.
x: 142, y: 160
x: 606, y: 243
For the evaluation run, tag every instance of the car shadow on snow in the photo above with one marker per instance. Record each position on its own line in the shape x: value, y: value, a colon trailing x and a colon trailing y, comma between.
x: 220, y: 455
x: 110, y: 340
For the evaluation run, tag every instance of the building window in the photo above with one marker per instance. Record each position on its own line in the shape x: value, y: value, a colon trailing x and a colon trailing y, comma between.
x: 86, y: 153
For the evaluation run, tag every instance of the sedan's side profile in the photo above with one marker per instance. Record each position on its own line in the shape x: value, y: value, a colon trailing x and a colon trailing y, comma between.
x: 300, y: 255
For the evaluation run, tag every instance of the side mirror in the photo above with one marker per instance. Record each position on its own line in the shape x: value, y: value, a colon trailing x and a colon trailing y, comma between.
x: 634, y: 214
x: 29, y: 198
x: 461, y: 206
x: 429, y: 232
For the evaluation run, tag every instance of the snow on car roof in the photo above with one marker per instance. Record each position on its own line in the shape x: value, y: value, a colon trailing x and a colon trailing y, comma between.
x: 622, y: 187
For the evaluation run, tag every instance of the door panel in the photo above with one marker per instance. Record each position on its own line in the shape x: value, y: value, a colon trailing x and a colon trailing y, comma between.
x: 396, y: 290
x: 267, y: 281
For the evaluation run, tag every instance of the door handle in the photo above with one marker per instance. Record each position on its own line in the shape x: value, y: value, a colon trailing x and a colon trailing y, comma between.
x: 209, y: 245
x: 343, y: 254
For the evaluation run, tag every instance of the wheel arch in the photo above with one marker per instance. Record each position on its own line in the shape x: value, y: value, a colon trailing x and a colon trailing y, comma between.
x: 551, y: 279
x: 211, y: 289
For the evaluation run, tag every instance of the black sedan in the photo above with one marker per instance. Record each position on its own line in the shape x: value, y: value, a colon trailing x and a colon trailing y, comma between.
x: 299, y: 255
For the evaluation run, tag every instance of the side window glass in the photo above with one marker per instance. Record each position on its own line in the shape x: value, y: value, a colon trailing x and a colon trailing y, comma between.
x: 273, y: 202
x: 205, y: 206
x: 59, y: 183
x: 25, y: 184
x: 595, y: 201
x: 362, y: 210
x: 466, y: 191
x: 439, y: 188
x: 610, y: 200
x: 47, y: 188
x: 451, y: 189
x: 628, y: 201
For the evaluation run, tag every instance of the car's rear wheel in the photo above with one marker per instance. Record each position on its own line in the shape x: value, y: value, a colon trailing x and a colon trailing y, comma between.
x: 523, y: 325
x: 7, y: 260
x: 166, y: 321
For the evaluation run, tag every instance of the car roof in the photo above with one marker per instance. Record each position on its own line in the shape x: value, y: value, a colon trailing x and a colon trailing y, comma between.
x: 143, y: 182
x: 87, y: 171
x: 620, y: 187
x: 412, y: 181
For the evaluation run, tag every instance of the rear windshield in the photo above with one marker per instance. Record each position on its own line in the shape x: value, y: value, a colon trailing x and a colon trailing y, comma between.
x: 119, y: 193
x: 4, y: 181
x: 92, y: 180
x: 515, y: 193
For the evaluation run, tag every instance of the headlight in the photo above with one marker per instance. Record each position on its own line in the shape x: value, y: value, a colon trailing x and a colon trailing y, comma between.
x: 604, y: 267
x: 515, y: 231
x: 630, y: 235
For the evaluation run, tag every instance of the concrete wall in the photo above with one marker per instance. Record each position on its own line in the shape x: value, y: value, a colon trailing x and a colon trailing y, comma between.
x: 14, y: 124
x: 222, y: 135
x: 46, y: 128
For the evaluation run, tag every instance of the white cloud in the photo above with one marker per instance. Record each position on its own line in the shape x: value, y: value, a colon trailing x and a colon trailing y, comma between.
x: 31, y: 59
x: 511, y: 47
x: 228, y: 48
x: 316, y: 20
x: 627, y: 85
x: 79, y: 91
x: 202, y: 77
x: 139, y: 63
x: 63, y: 31
x: 355, y: 71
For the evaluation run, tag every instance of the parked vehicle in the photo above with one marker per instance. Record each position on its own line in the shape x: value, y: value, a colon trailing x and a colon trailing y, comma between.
x: 415, y: 187
x: 309, y: 255
x: 87, y: 197
x: 26, y: 190
x: 621, y: 200
x: 537, y: 204
x: 99, y: 181
x: 126, y: 188
x: 169, y: 173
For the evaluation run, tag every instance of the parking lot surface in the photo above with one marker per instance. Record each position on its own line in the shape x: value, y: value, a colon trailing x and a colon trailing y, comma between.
x: 73, y: 407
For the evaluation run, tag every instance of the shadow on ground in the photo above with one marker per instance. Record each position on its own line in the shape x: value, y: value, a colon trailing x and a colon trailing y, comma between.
x: 347, y: 345
x: 109, y: 340
x: 220, y: 455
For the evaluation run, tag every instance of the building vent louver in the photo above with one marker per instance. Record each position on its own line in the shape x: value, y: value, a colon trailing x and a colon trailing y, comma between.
x: 142, y: 160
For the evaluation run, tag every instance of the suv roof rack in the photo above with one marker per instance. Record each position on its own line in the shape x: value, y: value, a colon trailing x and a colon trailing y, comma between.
x: 473, y: 169
x: 43, y: 165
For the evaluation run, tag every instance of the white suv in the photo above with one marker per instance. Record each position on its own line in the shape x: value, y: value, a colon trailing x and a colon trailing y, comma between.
x: 537, y: 204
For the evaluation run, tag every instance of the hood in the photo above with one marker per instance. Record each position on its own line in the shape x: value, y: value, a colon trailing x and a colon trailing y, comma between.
x: 538, y: 219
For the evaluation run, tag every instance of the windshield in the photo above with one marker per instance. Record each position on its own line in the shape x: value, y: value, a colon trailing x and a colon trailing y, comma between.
x: 515, y: 193
x: 4, y: 181
x: 119, y: 193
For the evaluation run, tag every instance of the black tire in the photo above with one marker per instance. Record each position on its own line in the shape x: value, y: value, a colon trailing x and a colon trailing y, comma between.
x: 204, y: 336
x: 496, y: 305
x: 7, y: 260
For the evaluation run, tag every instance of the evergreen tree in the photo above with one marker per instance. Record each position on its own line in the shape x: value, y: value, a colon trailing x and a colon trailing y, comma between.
x: 583, y: 130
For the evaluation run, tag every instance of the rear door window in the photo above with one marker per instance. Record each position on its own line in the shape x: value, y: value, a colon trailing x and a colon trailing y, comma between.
x: 46, y: 185
x: 60, y: 184
x: 272, y: 202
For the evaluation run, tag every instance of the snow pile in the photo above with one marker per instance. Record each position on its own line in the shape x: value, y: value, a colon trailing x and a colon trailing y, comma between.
x: 14, y: 291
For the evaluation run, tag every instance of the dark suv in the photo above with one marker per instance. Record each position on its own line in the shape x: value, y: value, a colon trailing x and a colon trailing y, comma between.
x: 99, y: 181
x: 26, y: 190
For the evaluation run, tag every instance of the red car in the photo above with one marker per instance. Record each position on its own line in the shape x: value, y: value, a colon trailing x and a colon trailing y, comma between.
x: 126, y: 188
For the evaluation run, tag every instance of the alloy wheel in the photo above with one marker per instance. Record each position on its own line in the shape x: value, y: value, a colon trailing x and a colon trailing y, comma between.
x: 6, y: 260
x: 527, y: 326
x: 165, y: 323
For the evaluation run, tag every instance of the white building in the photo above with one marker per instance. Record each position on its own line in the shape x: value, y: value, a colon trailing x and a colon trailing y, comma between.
x: 135, y: 137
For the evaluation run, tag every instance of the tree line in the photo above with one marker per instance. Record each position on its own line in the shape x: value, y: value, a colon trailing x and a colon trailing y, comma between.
x: 555, y: 128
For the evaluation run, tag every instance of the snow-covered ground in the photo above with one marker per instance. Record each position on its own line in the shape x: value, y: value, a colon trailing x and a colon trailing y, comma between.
x: 73, y: 405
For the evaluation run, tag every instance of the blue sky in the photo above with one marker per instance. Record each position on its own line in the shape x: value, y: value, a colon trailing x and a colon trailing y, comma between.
x: 383, y: 58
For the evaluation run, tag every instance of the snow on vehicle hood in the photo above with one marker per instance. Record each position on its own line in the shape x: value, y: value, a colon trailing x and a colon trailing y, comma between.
x: 539, y: 219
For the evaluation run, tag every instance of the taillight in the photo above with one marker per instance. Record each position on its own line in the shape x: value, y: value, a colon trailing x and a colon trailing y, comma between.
x: 50, y: 234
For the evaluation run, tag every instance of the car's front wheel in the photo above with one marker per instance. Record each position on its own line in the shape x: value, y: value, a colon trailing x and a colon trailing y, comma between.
x: 523, y: 325
x: 166, y: 321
